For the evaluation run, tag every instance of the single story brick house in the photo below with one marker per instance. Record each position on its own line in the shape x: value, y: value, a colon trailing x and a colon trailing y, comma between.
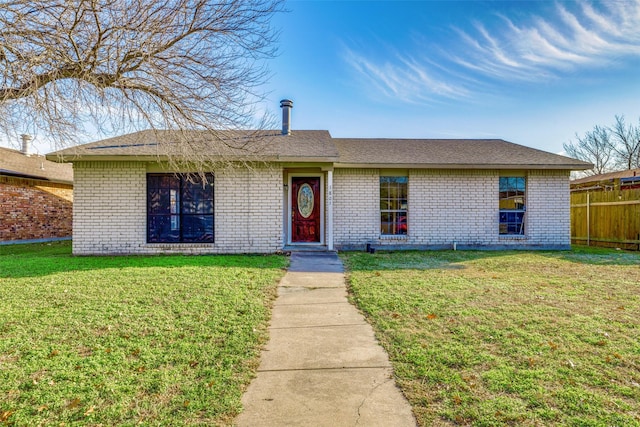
x: 36, y: 197
x: 618, y: 180
x: 304, y: 189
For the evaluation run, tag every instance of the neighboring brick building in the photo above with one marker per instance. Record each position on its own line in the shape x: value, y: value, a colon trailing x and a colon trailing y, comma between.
x: 36, y: 197
x: 307, y: 189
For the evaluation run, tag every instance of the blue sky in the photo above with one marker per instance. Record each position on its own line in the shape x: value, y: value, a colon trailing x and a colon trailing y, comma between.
x: 531, y: 72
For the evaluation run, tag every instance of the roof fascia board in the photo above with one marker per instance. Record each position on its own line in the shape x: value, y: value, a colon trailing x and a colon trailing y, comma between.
x: 289, y: 161
x: 36, y: 178
x: 456, y: 166
x: 297, y: 164
x: 164, y: 158
x: 83, y: 158
x: 306, y: 160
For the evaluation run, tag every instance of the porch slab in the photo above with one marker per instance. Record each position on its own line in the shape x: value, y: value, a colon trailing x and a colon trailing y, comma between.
x: 318, y: 262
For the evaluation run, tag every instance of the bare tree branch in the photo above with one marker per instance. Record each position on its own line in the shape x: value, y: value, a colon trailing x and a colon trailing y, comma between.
x: 117, y: 66
x: 595, y: 147
x: 626, y: 143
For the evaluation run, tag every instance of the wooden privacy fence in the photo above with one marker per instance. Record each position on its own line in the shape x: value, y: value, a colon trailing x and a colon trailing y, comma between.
x: 606, y: 218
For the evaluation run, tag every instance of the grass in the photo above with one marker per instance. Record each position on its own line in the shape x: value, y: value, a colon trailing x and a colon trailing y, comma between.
x: 508, y: 338
x: 164, y: 340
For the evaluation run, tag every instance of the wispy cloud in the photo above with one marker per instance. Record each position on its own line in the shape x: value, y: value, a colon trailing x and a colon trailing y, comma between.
x: 572, y: 37
x: 540, y: 48
x: 403, y: 77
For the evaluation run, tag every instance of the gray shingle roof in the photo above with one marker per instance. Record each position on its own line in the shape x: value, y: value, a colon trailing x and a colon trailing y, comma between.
x: 319, y: 146
x: 449, y: 153
x: 15, y: 163
x: 308, y: 145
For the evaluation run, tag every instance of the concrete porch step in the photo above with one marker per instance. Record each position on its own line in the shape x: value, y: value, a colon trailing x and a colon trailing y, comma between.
x: 306, y: 248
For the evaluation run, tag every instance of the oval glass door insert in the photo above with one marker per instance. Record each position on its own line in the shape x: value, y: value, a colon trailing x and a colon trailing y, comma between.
x: 305, y: 200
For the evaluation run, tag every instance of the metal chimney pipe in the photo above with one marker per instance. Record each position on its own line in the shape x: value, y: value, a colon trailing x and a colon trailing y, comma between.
x: 286, y: 105
x: 26, y: 144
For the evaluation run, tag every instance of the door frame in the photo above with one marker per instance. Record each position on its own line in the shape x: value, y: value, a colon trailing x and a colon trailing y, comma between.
x: 322, y: 212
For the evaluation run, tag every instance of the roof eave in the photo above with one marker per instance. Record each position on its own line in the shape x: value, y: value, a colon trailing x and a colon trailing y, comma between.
x: 319, y: 159
x: 71, y: 158
x: 160, y: 158
x: 21, y: 175
x: 462, y: 166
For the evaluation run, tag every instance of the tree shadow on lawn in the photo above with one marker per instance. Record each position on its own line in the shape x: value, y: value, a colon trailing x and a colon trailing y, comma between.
x: 455, y: 260
x: 42, y: 259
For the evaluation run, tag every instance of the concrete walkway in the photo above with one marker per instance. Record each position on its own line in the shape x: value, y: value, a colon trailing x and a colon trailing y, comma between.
x: 322, y: 365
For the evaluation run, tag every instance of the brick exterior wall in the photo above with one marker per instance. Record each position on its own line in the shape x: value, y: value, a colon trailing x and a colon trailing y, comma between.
x: 33, y: 209
x: 111, y: 205
x: 549, y: 207
x: 451, y: 205
x: 356, y: 206
x: 250, y: 210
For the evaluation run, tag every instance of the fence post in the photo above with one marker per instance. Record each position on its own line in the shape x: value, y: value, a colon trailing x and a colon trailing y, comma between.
x: 588, y: 222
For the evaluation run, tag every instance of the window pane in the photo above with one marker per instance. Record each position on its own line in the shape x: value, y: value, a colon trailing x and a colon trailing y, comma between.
x: 393, y: 223
x: 161, y: 229
x: 511, y: 222
x: 386, y: 179
x: 197, y: 198
x: 179, y: 209
x: 512, y: 204
x: 386, y: 223
x: 161, y: 191
x: 402, y: 191
x: 153, y: 201
x: 384, y: 191
x: 393, y: 192
x: 197, y: 228
x: 175, y: 223
x: 401, y: 223
x: 169, y: 181
x: 160, y: 201
x: 163, y: 181
x: 174, y: 201
x: 393, y: 205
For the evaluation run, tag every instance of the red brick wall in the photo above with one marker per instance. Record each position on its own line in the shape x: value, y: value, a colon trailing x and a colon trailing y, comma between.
x: 34, y: 209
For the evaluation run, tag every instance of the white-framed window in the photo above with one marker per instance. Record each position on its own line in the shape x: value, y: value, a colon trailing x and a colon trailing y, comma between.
x: 512, y: 202
x: 393, y: 205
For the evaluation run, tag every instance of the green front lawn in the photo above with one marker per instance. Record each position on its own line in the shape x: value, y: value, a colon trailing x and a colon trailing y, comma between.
x: 508, y: 338
x: 164, y: 340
